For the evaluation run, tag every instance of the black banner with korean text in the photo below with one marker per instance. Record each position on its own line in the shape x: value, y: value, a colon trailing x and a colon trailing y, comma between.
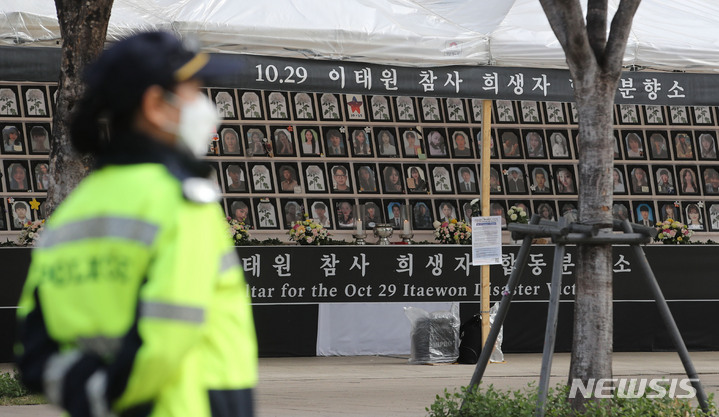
x: 401, y: 273
x: 481, y: 82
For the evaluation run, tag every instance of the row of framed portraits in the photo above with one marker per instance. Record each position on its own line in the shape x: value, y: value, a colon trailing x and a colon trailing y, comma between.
x: 17, y: 211
x: 343, y: 213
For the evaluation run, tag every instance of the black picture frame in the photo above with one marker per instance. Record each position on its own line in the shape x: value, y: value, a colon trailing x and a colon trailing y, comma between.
x: 534, y: 144
x: 17, y: 176
x: 303, y: 106
x: 628, y: 114
x: 251, y: 105
x: 314, y: 211
x: 621, y: 210
x: 405, y: 108
x: 256, y: 141
x: 554, y: 113
x: 266, y: 213
x: 35, y: 101
x: 418, y: 184
x: 706, y: 145
x: 447, y: 205
x: 540, y: 179
x: 658, y: 145
x: 710, y: 179
x: 496, y: 185
x: 620, y: 185
x: 441, y: 176
x: 283, y: 141
x: 261, y: 174
x: 634, y: 144
x: 664, y: 180
x: 688, y: 186
x: 564, y: 179
x: 38, y: 138
x: 355, y: 107
x: 309, y: 141
x: 645, y: 213
x: 422, y: 215
x: 669, y: 210
x: 3, y: 218
x: 366, y: 175
x: 530, y: 112
x: 335, y: 141
x: 315, y: 178
x: 546, y: 209
x: 344, y: 213
x: 412, y: 143
x: 13, y: 138
x: 492, y: 143
x: 460, y: 143
x: 393, y: 212
x: 20, y: 213
x: 381, y: 109
x: 431, y: 109
x: 569, y: 210
x: 9, y: 102
x: 702, y: 115
x: 694, y: 214
x: 240, y: 209
x: 361, y: 142
x: 340, y: 177
x: 639, y: 180
x: 225, y: 103
x: 467, y: 179
x: 678, y: 115
x: 477, y: 107
x: 437, y: 143
x: 499, y: 208
x: 330, y: 107
x: 278, y: 105
x: 618, y: 153
x: 683, y: 145
x: 288, y: 178
x: 505, y: 111
x: 515, y: 179
x: 511, y: 143
x: 391, y: 178
x: 390, y: 149
x: 230, y: 142
x: 372, y: 213
x: 559, y: 144
x: 292, y: 210
x: 455, y: 110
x: 713, y: 216
x: 654, y: 114
x: 235, y: 177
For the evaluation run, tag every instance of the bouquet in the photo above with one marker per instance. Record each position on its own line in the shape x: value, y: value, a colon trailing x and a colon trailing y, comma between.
x: 672, y: 232
x: 517, y: 215
x: 30, y: 233
x: 239, y: 231
x: 453, y: 232
x: 308, y: 232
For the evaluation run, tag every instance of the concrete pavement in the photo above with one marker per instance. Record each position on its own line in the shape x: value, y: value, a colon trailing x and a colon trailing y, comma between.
x: 364, y: 386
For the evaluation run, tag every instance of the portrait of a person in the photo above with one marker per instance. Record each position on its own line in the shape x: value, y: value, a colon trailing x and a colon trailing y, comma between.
x: 288, y: 178
x: 345, y: 216
x: 256, y: 143
x: 546, y: 212
x: 293, y: 213
x: 658, y: 146
x: 618, y: 183
x: 340, y: 179
x: 240, y: 211
x: 714, y: 216
x: 12, y: 140
x: 688, y: 181
x: 694, y: 217
x: 360, y: 143
x: 319, y: 213
x: 565, y: 182
x: 640, y: 183
x: 436, y: 144
x: 392, y: 180
x: 412, y: 145
x: 39, y: 140
x: 510, y: 145
x: 570, y: 213
x: 668, y: 211
x: 447, y: 212
x: 394, y: 215
x: 235, y: 179
x: 461, y: 146
x: 266, y: 215
x: 422, y: 216
x: 372, y: 215
x: 535, y: 147
x: 711, y: 181
x: 620, y: 211
x: 560, y: 148
x: 492, y: 149
x: 415, y: 180
x: 496, y: 209
x: 466, y: 181
x: 539, y: 181
x: 335, y: 143
x: 230, y: 141
x: 20, y: 214
x: 683, y: 146
x: 42, y: 177
x: 634, y: 146
x: 283, y: 143
x: 315, y: 178
x: 665, y: 182
x: 495, y: 185
x: 310, y: 142
x: 515, y: 181
x: 645, y: 216
x: 707, y: 146
x: 386, y: 145
x: 18, y: 177
x: 366, y: 181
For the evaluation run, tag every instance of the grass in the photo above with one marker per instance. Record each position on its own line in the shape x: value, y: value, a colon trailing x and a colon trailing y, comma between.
x: 13, y: 392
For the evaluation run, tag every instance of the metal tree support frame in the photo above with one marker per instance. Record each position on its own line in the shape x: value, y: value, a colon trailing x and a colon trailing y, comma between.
x: 575, y: 233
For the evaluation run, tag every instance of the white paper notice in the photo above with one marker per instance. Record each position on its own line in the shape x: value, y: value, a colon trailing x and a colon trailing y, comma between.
x: 486, y: 240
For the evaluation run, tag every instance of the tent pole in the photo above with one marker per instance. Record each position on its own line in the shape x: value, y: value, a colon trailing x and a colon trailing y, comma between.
x: 484, y: 195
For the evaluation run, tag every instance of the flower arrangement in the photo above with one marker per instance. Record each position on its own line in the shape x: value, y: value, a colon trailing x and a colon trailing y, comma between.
x: 308, y: 232
x: 453, y: 232
x: 239, y: 231
x: 517, y: 215
x: 672, y: 232
x: 30, y: 233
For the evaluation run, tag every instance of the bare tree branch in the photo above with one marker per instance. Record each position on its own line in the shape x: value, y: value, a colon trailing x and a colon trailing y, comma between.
x: 618, y: 36
x: 597, y: 28
x: 567, y: 22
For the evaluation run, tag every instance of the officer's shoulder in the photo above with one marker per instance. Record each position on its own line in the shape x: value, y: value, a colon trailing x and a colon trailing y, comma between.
x: 200, y: 190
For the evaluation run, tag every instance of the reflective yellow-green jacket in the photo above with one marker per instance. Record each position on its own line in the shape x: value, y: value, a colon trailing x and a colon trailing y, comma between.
x: 135, y: 302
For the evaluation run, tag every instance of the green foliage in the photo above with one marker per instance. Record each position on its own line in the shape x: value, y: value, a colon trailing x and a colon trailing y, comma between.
x: 491, y: 402
x: 10, y: 385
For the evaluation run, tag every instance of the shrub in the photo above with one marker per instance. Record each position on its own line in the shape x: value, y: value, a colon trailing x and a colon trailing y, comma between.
x: 10, y: 385
x: 491, y: 402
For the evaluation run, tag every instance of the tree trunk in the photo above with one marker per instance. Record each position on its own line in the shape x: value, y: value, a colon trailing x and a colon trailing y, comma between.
x: 83, y: 28
x: 593, y: 332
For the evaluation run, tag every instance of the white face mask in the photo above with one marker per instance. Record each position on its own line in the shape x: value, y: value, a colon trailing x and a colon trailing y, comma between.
x: 198, y: 121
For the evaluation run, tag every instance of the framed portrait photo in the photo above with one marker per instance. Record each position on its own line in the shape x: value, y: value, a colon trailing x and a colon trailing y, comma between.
x: 386, y: 142
x: 240, y: 209
x: 639, y: 180
x: 621, y: 211
x: 461, y: 143
x: 320, y: 210
x: 341, y: 178
x: 366, y: 175
x: 510, y: 144
x: 392, y: 182
x: 564, y: 179
x: 422, y: 218
x: 13, y: 138
x: 361, y: 142
x: 283, y: 143
x: 492, y: 147
x: 515, y: 179
x: 707, y: 145
x: 710, y: 176
x: 412, y: 144
x: 619, y: 176
x: 634, y: 144
x: 559, y: 146
x: 235, y: 177
x: 694, y: 213
x: 534, y: 143
x: 658, y: 145
x: 688, y: 184
x: 291, y: 211
x: 669, y: 210
x: 437, y: 146
x: 713, y: 220
x: 683, y: 145
x: 39, y: 138
x: 540, y: 179
x: 466, y: 179
x: 288, y: 179
x: 644, y: 213
x: 309, y: 139
x: 335, y: 142
x: 416, y: 178
x: 17, y: 175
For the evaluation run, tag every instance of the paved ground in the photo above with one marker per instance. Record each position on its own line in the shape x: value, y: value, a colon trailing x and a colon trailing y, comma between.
x: 379, y: 386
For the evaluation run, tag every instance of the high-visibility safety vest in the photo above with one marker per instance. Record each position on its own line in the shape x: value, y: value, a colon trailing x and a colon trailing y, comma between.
x: 135, y: 302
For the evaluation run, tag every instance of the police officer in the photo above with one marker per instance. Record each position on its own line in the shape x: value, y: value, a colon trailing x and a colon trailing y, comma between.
x: 135, y: 303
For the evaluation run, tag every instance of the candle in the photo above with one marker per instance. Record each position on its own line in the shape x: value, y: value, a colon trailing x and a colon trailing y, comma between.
x: 406, y: 227
x: 359, y: 227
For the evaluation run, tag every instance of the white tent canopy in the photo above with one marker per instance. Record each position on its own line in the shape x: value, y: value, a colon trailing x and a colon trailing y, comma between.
x: 666, y: 35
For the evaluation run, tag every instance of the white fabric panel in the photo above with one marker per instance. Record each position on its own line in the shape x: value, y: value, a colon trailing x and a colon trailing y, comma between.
x: 349, y: 329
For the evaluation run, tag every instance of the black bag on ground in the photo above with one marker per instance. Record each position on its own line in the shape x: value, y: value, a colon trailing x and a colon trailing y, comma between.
x: 470, y: 346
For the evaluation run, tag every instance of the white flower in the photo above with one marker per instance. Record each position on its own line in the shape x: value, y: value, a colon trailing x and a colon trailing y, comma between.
x: 436, y: 224
x: 513, y: 217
